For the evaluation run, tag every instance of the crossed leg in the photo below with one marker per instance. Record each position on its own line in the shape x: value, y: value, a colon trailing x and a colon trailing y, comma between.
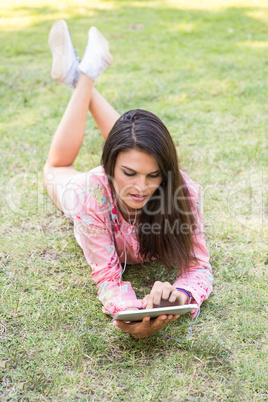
x: 70, y: 133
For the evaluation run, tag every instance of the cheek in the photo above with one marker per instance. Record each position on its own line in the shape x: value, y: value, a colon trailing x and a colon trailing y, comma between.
x: 153, y: 186
x: 121, y: 184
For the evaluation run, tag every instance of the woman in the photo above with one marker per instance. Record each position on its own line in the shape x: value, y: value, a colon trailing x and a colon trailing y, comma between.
x: 137, y: 206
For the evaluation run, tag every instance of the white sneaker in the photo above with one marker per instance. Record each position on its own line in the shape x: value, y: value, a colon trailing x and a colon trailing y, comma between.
x: 65, y: 61
x: 97, y: 56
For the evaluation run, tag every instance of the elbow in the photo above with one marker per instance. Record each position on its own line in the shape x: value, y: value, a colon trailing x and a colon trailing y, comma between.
x: 48, y: 174
x: 45, y: 173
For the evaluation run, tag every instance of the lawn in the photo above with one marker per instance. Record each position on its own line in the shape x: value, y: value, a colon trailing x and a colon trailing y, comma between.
x: 201, y: 66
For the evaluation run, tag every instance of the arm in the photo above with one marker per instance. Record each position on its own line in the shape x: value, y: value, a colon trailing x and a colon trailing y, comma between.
x: 99, y: 250
x: 96, y: 239
x: 198, y: 279
x: 93, y: 232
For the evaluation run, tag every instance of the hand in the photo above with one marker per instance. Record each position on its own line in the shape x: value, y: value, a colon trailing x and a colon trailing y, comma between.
x: 129, y: 309
x: 147, y: 326
x: 163, y: 294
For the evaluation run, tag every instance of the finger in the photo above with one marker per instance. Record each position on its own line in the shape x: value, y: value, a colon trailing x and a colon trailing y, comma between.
x: 156, y: 297
x: 149, y: 302
x: 161, y: 290
x: 145, y: 301
x: 155, y: 294
x: 175, y: 317
x: 134, y: 328
x: 122, y: 325
x: 158, y: 322
x: 168, y: 319
x: 156, y: 285
x: 171, y: 318
x: 173, y: 296
x: 119, y: 323
x: 181, y: 298
x: 146, y: 322
x: 166, y: 292
x: 162, y: 321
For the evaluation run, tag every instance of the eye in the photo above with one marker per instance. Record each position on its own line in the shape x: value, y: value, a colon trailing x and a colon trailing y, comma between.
x: 129, y: 174
x: 153, y: 176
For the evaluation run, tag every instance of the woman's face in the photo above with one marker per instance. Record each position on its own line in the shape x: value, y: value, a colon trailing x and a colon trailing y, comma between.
x: 136, y: 177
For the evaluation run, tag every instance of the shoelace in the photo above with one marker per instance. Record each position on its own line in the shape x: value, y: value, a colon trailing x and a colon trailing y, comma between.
x: 76, y: 55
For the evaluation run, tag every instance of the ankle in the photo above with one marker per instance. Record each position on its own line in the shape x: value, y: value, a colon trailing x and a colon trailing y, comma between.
x: 84, y: 81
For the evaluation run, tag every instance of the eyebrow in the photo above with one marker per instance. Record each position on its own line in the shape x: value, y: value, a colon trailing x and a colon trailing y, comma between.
x: 156, y: 171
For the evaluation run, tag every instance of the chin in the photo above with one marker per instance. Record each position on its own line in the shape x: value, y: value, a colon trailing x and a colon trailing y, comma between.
x: 134, y: 206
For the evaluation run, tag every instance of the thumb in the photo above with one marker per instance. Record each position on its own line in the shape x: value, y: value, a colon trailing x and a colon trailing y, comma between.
x: 145, y: 301
x: 149, y: 302
x: 146, y: 322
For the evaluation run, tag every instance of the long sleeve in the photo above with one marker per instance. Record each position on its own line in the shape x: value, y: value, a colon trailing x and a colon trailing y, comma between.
x: 92, y: 229
x: 99, y: 250
x: 198, y: 279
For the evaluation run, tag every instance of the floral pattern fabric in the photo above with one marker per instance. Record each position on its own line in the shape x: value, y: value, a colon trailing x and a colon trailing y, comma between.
x: 99, y: 228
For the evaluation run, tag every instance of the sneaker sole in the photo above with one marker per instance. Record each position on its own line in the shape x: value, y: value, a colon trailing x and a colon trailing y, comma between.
x: 103, y: 45
x: 57, y: 42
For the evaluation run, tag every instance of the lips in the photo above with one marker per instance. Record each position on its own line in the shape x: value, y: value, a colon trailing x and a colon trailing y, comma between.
x: 137, y: 197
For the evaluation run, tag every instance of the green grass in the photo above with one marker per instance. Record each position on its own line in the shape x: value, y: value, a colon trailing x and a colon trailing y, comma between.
x: 202, y: 67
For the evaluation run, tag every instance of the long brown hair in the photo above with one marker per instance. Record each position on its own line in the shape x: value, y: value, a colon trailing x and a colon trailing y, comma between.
x: 169, y: 209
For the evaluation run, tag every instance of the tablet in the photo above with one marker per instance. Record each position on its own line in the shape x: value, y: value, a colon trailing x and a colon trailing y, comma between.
x: 137, y: 315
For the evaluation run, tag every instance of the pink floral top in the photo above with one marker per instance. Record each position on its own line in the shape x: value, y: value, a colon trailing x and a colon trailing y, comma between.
x: 88, y: 200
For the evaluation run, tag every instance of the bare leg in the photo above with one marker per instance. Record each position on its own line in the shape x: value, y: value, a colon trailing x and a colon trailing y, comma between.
x: 68, y: 140
x: 70, y: 133
x: 102, y: 112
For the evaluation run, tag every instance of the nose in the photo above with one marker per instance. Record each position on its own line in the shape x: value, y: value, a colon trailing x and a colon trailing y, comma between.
x: 141, y: 183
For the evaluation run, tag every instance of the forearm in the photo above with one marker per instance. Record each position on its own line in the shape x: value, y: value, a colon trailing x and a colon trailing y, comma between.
x: 197, y: 281
x: 117, y: 297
